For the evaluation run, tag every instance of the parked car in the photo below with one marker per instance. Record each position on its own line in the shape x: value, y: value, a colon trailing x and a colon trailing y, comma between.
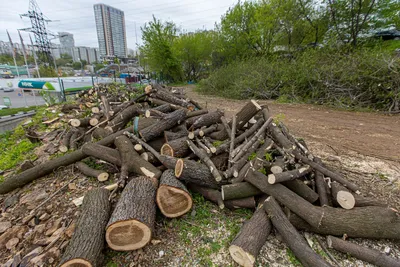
x: 8, y: 89
x: 3, y: 107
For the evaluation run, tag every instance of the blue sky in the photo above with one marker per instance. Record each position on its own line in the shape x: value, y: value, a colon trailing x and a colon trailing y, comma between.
x: 77, y: 16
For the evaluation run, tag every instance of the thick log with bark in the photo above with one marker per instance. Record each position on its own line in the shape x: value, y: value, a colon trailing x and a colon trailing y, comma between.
x: 80, y: 122
x: 368, y: 222
x: 178, y: 148
x: 372, y: 256
x: 86, y: 170
x: 122, y: 118
x: 132, y: 160
x: 321, y: 185
x: 246, y: 113
x: 132, y: 222
x: 247, y: 244
x: 288, y: 175
x: 87, y: 243
x: 301, y: 189
x: 342, y: 198
x: 65, y: 141
x: 194, y: 172
x: 173, y: 199
x: 292, y: 238
x: 66, y: 108
x: 100, y: 133
x: 239, y: 190
x: 169, y: 98
x: 166, y: 123
x: 208, y: 119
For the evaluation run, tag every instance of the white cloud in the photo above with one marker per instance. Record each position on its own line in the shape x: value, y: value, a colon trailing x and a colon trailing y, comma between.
x: 77, y: 16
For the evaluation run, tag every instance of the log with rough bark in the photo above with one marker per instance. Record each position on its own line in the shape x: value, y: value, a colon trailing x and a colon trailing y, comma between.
x: 175, y: 133
x: 148, y: 156
x: 155, y: 130
x: 80, y: 122
x: 220, y: 161
x: 278, y: 166
x: 239, y: 190
x: 207, y: 161
x: 227, y: 128
x: 321, y: 185
x: 132, y: 222
x: 301, y: 189
x: 289, y: 175
x: 292, y: 238
x: 247, y: 244
x: 232, y: 141
x: 94, y: 120
x: 65, y: 141
x: 173, y: 199
x: 194, y: 172
x: 368, y: 222
x: 208, y: 119
x: 219, y: 135
x: 132, y: 160
x: 342, y: 198
x: 86, y: 170
x: 178, y: 148
x: 246, y: 113
x: 169, y: 98
x: 76, y: 136
x: 87, y: 243
x: 102, y: 152
x: 123, y: 117
x: 106, y: 107
x: 372, y: 256
x: 66, y: 108
x: 195, y: 113
x: 100, y: 133
x: 209, y: 145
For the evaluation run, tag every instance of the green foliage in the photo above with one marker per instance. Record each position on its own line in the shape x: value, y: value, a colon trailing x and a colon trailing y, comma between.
x: 268, y: 157
x: 292, y: 258
x: 252, y: 156
x: 217, y: 143
x: 11, y: 111
x: 46, y: 72
x: 364, y: 78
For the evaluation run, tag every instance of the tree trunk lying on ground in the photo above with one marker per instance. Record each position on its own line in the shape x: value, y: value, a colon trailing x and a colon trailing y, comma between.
x: 366, y: 254
x: 247, y: 244
x: 132, y: 222
x: 246, y: 113
x: 368, y: 222
x: 194, y: 172
x: 87, y: 243
x: 292, y: 238
x: 173, y: 199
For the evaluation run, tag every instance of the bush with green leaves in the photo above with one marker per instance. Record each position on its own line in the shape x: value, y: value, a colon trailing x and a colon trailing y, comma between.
x: 364, y: 78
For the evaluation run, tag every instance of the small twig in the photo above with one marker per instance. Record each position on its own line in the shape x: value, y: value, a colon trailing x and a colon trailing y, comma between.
x: 326, y: 251
x: 97, y: 126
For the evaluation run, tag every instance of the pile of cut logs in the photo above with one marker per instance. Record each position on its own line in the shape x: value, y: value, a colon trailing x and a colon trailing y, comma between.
x: 173, y: 147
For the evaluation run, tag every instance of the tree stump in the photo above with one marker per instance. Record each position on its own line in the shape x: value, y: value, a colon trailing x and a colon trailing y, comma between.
x: 132, y: 222
x: 86, y: 170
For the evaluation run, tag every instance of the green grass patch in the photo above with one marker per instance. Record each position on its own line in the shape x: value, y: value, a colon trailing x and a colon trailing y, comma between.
x: 292, y: 258
x: 252, y: 156
x: 12, y: 111
x: 217, y: 143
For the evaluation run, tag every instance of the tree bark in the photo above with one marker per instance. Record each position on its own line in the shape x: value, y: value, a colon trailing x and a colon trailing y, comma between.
x: 80, y: 122
x: 289, y: 175
x: 220, y: 161
x: 194, y: 172
x: 106, y: 107
x: 108, y: 154
x: 173, y: 199
x: 301, y: 189
x: 278, y: 166
x: 372, y: 256
x: 89, y: 232
x: 203, y: 156
x: 321, y: 185
x: 292, y: 238
x: 66, y: 108
x: 179, y: 148
x: 47, y: 167
x: 342, y: 198
x: 232, y: 141
x: 148, y: 156
x: 246, y: 113
x: 86, y: 170
x: 100, y: 133
x: 65, y: 141
x: 239, y: 190
x: 247, y: 244
x: 168, y: 97
x: 166, y: 123
x: 123, y: 117
x: 195, y: 113
x: 207, y: 119
x: 132, y: 222
x: 368, y: 222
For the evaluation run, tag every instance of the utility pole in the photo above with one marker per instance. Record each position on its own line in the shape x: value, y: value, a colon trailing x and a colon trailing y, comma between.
x: 137, y: 49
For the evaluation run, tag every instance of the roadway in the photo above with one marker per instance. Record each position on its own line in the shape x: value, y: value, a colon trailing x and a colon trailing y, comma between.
x: 19, y: 100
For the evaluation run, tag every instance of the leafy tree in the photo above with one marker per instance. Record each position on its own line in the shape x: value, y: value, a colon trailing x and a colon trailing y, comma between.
x: 158, y: 38
x: 46, y: 72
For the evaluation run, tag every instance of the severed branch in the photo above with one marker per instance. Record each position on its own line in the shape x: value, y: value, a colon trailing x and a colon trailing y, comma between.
x: 232, y: 143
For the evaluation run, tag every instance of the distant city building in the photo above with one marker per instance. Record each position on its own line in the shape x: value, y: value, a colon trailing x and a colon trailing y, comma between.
x: 111, y: 33
x: 91, y: 55
x: 67, y: 42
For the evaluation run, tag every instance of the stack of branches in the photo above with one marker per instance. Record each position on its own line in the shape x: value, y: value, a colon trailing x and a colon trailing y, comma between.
x: 175, y: 147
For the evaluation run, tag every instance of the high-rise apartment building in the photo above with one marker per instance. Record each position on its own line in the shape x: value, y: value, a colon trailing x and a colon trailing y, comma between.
x: 67, y: 42
x: 111, y: 33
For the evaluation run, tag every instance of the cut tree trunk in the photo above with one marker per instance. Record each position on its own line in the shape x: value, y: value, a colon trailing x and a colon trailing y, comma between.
x: 178, y: 148
x: 132, y: 159
x: 232, y: 141
x: 106, y: 107
x: 278, y: 166
x: 220, y: 161
x: 86, y: 170
x: 80, y: 122
x: 148, y: 156
x: 321, y: 185
x: 239, y: 190
x: 292, y: 238
x: 226, y: 126
x: 108, y: 154
x: 208, y: 119
x: 246, y: 113
x: 66, y: 108
x: 288, y: 175
x: 247, y: 244
x: 65, y: 141
x: 301, y: 189
x: 166, y: 123
x: 89, y: 232
x: 100, y: 133
x: 132, y: 222
x: 194, y: 172
x: 342, y: 198
x: 122, y: 118
x: 219, y: 135
x: 195, y: 113
x: 169, y: 98
x: 372, y: 256
x: 173, y: 199
x: 368, y: 222
x: 204, y: 157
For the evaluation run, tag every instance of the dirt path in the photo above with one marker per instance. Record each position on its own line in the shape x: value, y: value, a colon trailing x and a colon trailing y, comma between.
x: 369, y: 134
